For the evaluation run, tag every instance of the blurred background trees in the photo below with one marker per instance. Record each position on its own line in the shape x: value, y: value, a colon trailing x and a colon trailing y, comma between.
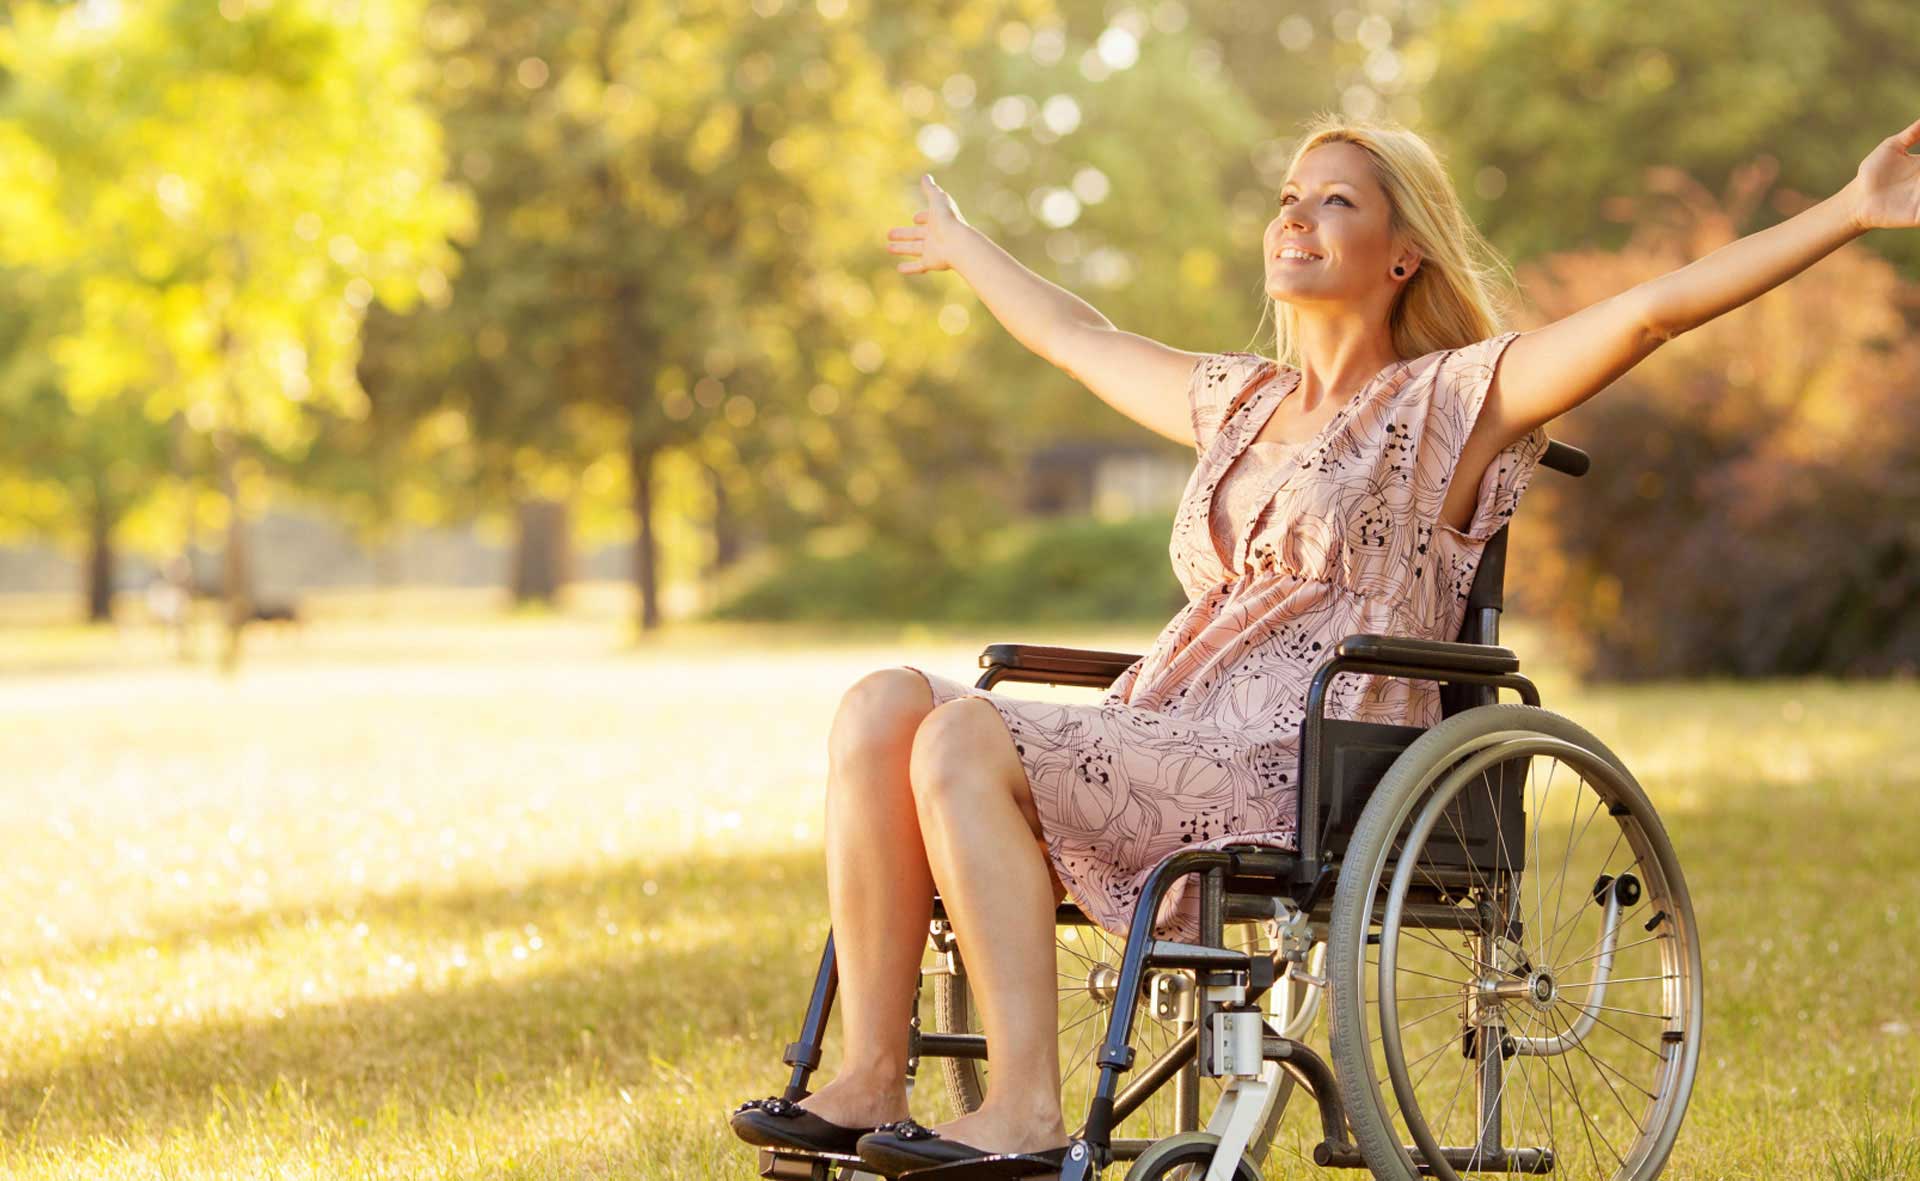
x: 614, y: 274
x: 217, y: 194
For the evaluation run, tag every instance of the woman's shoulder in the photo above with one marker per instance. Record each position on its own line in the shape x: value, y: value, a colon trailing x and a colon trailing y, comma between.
x: 1467, y: 353
x: 1245, y: 360
x: 1226, y: 373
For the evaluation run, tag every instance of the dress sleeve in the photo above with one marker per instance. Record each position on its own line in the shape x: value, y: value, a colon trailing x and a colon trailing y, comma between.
x: 1218, y: 380
x: 1460, y: 388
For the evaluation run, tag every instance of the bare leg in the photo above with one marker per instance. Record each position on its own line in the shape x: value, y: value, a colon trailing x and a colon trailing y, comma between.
x: 879, y: 892
x: 981, y: 832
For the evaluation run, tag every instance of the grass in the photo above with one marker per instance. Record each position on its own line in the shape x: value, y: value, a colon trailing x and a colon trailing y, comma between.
x: 451, y: 897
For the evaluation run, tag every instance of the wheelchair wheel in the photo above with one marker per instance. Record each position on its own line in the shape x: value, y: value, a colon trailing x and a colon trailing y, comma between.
x: 1514, y: 966
x: 1089, y: 960
x: 1185, y: 1158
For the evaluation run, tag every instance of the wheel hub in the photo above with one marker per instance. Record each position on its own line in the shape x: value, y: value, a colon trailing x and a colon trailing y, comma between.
x: 1537, y: 988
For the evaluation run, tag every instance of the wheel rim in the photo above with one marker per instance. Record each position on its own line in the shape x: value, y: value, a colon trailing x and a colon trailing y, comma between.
x: 1186, y: 1157
x: 1610, y: 1104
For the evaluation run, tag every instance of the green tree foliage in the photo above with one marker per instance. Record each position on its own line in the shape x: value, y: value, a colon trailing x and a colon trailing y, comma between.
x: 227, y: 188
x: 1555, y: 111
x: 66, y: 475
x: 680, y: 247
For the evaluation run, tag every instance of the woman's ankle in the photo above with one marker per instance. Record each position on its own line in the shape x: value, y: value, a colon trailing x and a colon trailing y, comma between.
x: 1038, y: 1112
x: 868, y: 1094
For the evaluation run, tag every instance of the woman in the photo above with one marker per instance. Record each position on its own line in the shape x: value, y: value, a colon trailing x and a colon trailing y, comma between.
x: 1350, y: 486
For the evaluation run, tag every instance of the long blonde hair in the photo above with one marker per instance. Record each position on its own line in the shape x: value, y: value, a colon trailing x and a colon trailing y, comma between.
x: 1463, y: 289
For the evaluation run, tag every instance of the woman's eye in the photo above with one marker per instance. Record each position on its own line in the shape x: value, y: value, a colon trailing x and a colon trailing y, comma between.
x: 1334, y: 197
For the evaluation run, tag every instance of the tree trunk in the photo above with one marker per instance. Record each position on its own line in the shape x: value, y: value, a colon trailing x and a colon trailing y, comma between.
x: 640, y: 457
x: 541, y: 555
x: 100, y: 562
x: 726, y: 537
x: 236, y: 582
x: 386, y: 562
x: 182, y: 571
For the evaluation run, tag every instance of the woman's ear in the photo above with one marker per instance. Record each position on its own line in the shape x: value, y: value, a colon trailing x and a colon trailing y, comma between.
x: 1406, y: 264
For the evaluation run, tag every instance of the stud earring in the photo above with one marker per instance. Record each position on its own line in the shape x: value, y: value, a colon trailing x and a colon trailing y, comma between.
x: 1400, y: 270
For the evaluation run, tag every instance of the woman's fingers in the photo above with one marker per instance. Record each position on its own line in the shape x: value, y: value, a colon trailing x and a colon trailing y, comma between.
x: 1909, y: 137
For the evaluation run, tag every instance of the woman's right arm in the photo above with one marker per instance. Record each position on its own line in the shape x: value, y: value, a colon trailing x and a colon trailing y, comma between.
x: 1140, y: 377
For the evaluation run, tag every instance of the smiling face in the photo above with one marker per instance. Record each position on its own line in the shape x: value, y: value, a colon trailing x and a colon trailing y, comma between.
x: 1333, y: 209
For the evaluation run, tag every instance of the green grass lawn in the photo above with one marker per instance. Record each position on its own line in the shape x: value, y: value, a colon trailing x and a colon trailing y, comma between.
x: 469, y: 899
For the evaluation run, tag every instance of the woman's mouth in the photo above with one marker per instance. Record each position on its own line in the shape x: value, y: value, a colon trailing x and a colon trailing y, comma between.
x: 1293, y: 254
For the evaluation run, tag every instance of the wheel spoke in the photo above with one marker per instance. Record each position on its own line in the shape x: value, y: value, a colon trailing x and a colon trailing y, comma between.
x: 1637, y: 1126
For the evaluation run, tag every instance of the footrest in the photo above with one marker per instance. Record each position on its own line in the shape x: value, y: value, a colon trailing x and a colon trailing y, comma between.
x: 986, y: 1168
x: 792, y: 1164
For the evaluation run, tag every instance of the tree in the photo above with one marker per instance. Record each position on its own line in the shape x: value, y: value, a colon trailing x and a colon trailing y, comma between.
x: 1554, y: 111
x: 227, y: 188
x: 72, y: 473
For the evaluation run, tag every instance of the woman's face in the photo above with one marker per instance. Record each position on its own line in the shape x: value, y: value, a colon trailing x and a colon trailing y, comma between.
x: 1331, y: 207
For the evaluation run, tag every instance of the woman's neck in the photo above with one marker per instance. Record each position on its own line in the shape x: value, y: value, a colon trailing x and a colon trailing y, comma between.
x: 1339, y: 352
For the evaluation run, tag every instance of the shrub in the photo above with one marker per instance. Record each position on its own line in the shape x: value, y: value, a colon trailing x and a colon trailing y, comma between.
x: 1754, y: 502
x: 1073, y: 570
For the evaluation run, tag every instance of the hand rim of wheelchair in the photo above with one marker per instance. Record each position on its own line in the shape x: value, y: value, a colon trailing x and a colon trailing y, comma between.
x: 1426, y: 778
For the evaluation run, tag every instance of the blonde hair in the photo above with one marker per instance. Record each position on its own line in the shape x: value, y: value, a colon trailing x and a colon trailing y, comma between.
x: 1462, y: 289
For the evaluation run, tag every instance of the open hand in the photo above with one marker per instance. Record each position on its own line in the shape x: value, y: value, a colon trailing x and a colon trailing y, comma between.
x: 931, y: 239
x: 1887, y: 187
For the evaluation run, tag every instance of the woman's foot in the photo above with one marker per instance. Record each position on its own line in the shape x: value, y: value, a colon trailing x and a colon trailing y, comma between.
x: 987, y: 1131
x: 854, y: 1104
x: 832, y: 1120
x: 1005, y: 1130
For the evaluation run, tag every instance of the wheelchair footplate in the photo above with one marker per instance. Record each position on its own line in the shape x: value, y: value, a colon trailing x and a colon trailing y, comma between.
x: 985, y: 1168
x: 792, y: 1164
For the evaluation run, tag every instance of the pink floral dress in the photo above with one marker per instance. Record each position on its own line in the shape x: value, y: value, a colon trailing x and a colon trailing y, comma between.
x: 1196, y: 745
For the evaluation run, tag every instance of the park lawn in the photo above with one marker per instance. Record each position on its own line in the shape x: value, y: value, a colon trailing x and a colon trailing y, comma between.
x: 469, y: 900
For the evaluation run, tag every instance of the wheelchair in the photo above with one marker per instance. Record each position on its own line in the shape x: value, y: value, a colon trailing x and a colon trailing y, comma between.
x: 1488, y: 909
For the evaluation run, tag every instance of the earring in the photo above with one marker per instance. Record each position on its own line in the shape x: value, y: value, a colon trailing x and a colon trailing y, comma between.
x: 1399, y: 270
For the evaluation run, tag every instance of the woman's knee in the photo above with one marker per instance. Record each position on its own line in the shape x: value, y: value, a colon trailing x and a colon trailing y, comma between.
x: 879, y: 713
x: 948, y: 749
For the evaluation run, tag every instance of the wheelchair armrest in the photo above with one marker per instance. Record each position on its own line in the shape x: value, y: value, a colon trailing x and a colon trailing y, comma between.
x: 1035, y: 663
x: 1443, y: 655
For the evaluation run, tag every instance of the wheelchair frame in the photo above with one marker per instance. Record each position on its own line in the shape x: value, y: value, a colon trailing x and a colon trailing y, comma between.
x: 1341, y: 762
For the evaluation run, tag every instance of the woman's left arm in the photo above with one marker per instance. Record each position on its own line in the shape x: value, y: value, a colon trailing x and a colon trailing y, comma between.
x: 1550, y: 370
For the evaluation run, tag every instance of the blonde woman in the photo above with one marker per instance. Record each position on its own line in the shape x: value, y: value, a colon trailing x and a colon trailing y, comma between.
x: 1348, y: 484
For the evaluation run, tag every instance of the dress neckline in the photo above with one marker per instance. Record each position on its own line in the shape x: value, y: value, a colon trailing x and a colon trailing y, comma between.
x: 1266, y: 400
x: 1286, y: 388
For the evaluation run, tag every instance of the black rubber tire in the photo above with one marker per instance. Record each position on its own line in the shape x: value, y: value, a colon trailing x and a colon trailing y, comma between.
x: 953, y: 1010
x: 1388, y: 810
x: 1191, y: 1150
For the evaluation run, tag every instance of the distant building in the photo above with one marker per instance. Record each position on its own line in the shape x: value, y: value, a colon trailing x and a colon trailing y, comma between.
x: 1110, y: 481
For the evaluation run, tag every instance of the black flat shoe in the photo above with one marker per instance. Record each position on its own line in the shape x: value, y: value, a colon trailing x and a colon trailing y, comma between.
x: 782, y: 1123
x: 906, y: 1147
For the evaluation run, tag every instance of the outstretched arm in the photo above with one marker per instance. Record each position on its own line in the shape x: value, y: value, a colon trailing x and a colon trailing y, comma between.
x: 1136, y: 375
x: 1550, y: 370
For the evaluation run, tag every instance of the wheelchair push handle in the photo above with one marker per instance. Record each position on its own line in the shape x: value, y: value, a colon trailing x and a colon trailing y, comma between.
x: 1565, y: 457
